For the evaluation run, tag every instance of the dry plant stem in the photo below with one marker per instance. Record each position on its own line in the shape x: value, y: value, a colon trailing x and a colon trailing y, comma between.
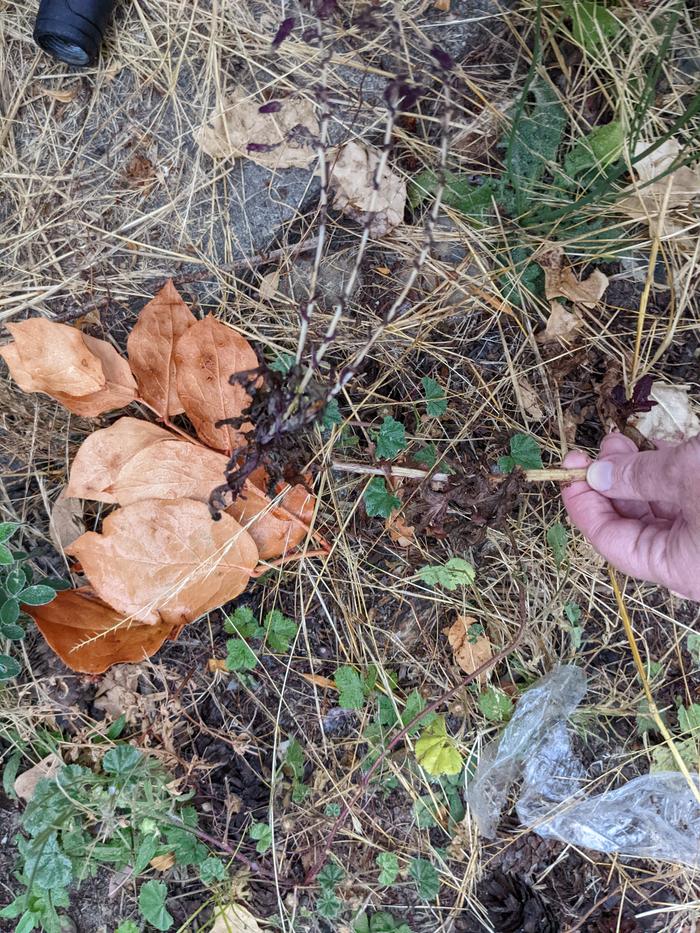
x: 404, y: 731
x: 641, y: 671
x: 554, y: 475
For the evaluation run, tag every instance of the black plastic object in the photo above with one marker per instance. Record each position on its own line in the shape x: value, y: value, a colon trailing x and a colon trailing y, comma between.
x: 72, y: 30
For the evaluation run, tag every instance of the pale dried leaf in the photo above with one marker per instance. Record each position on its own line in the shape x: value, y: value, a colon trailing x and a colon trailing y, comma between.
x: 103, y: 454
x: 169, y: 469
x: 287, y: 135
x: 25, y: 784
x: 352, y: 168
x: 320, y: 681
x: 269, y: 284
x: 478, y: 136
x: 560, y: 281
x: 62, y: 95
x: 469, y: 655
x: 117, y: 695
x: 49, y: 357
x: 118, y: 391
x: 206, y: 355
x: 151, y: 348
x: 400, y: 532
x: 562, y: 325
x: 216, y: 664
x: 166, y: 561
x: 235, y: 919
x: 163, y: 862
x: 530, y: 400
x: 674, y: 419
x: 66, y: 521
x: 71, y: 620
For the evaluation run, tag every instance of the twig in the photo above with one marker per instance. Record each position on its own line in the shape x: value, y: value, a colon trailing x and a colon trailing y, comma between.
x: 554, y: 475
x: 403, y: 732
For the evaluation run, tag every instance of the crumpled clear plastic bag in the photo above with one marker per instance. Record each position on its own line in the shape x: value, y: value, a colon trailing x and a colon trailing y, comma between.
x: 652, y: 816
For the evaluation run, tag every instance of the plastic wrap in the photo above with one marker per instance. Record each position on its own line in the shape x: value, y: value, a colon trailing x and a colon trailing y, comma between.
x: 652, y: 816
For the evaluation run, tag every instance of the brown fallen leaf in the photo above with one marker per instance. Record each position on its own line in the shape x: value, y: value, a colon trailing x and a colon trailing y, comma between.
x: 469, y: 654
x: 276, y: 529
x: 66, y: 521
x: 166, y: 561
x: 673, y: 419
x: 530, y: 399
x: 49, y: 357
x: 352, y: 168
x: 76, y: 616
x: 103, y: 454
x: 169, y: 469
x: 62, y: 95
x: 562, y: 326
x: 117, y: 695
x: 560, y: 281
x: 25, y: 784
x: 235, y: 919
x: 281, y: 136
x: 269, y: 284
x: 216, y: 664
x: 676, y: 189
x: 400, y: 531
x: 206, y: 355
x: 118, y: 391
x: 320, y: 681
x: 163, y: 862
x: 151, y: 349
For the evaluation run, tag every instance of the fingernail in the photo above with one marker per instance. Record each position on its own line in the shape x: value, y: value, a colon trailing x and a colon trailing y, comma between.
x: 600, y: 475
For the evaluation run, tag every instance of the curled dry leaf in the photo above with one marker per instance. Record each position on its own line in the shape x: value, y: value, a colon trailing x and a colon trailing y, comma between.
x: 269, y: 285
x: 86, y: 375
x: 469, y: 654
x: 166, y: 561
x: 25, y: 784
x: 560, y: 281
x: 352, y: 168
x: 151, y: 349
x: 103, y: 454
x: 118, y: 695
x: 276, y: 134
x: 676, y: 189
x: 74, y: 617
x: 163, y: 862
x: 673, y: 419
x: 276, y: 528
x: 66, y: 522
x: 562, y: 325
x: 530, y: 399
x: 235, y: 919
x: 206, y: 355
x: 399, y: 530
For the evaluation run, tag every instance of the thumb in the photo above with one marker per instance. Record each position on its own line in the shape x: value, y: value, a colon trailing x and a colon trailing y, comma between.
x: 649, y: 476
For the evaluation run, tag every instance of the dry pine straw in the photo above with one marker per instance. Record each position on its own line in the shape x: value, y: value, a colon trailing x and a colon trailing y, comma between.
x: 359, y: 606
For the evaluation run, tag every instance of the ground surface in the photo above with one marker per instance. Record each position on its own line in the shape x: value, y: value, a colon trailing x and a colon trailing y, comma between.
x: 105, y: 195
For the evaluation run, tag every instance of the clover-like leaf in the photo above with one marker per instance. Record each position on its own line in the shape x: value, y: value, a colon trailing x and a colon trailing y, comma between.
x: 436, y: 751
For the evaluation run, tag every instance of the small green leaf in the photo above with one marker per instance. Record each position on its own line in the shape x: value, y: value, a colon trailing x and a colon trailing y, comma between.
x: 7, y: 529
x: 9, y: 773
x: 390, y: 440
x: 116, y: 728
x: 283, y: 363
x: 15, y: 581
x: 145, y: 852
x: 495, y: 705
x: 426, y: 879
x: 332, y: 810
x: 591, y: 23
x: 123, y: 760
x: 12, y: 632
x: 211, y: 870
x: 37, y: 595
x: 689, y: 718
x: 388, y: 865
x: 596, y: 150
x: 351, y: 694
x: 572, y: 611
x: 242, y: 622
x: 427, y: 456
x: 9, y: 668
x: 262, y: 833
x: 436, y: 403
x: 279, y: 631
x: 424, y: 812
x: 645, y: 722
x: 524, y: 452
x: 456, y: 572
x: 294, y: 760
x: 378, y: 500
x: 415, y: 704
x: 6, y: 557
x: 239, y: 656
x: 9, y: 612
x: 152, y: 898
x: 330, y: 875
x: 557, y: 538
x: 693, y: 645
x: 436, y: 751
x: 328, y: 905
x: 331, y: 415
x: 128, y: 926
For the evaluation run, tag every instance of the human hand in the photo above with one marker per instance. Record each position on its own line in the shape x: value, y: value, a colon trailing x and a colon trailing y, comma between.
x: 641, y: 510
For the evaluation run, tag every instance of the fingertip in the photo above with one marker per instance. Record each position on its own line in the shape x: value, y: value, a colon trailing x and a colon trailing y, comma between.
x: 616, y: 443
x: 576, y: 460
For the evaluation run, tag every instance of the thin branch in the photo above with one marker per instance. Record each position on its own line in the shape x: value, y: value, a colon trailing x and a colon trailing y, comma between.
x: 554, y: 475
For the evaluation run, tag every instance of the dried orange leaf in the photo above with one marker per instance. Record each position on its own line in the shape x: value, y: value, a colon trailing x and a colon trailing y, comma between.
x: 400, y: 531
x: 171, y: 469
x: 119, y: 389
x: 103, y: 454
x: 163, y: 862
x: 51, y: 358
x: 74, y: 617
x: 470, y: 652
x: 206, y: 355
x: 151, y: 347
x: 159, y: 560
x: 216, y: 664
x: 560, y: 281
x: 25, y: 784
x: 276, y: 529
x: 320, y: 681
